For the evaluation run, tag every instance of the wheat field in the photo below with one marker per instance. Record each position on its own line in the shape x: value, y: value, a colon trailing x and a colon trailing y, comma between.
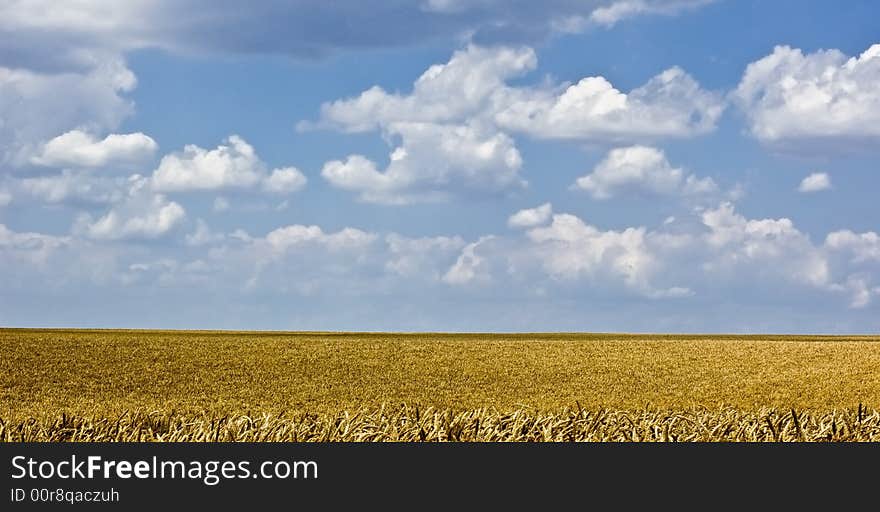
x: 122, y: 385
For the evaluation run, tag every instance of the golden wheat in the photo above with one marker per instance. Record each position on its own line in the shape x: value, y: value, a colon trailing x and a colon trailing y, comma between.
x: 410, y: 424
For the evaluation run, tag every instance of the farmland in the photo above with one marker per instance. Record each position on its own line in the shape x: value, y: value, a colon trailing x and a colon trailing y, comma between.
x: 203, y: 385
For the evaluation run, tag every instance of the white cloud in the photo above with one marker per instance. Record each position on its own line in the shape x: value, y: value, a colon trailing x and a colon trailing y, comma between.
x: 619, y: 10
x: 531, y: 217
x: 33, y: 248
x: 74, y: 186
x: 860, y: 291
x: 421, y: 257
x: 672, y: 104
x: 642, y: 168
x: 815, y: 182
x: 451, y: 124
x: 719, y: 256
x: 570, y: 249
x: 286, y: 180
x: 472, y: 85
x: 142, y: 215
x: 233, y: 164
x: 722, y: 254
x: 5, y: 198
x: 283, y: 239
x: 431, y: 162
x: 303, y: 260
x: 766, y: 247
x: 451, y: 92
x: 863, y: 246
x: 789, y: 96
x: 79, y: 149
x: 37, y: 106
x: 470, y: 267
x: 775, y: 254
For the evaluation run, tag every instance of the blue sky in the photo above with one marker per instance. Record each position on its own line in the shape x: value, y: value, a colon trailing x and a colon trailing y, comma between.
x: 596, y: 165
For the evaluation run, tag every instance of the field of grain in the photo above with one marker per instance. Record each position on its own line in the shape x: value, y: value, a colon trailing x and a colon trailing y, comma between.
x: 206, y: 386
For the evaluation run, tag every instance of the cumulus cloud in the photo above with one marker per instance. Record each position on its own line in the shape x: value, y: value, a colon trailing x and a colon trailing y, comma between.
x: 143, y: 214
x: 283, y: 239
x: 815, y: 182
x: 864, y: 247
x: 671, y: 104
x: 431, y: 161
x: 765, y: 247
x: 450, y: 92
x: 790, y: 97
x: 286, y: 180
x: 233, y: 164
x: 641, y: 168
x: 531, y: 217
x: 81, y: 150
x: 571, y: 249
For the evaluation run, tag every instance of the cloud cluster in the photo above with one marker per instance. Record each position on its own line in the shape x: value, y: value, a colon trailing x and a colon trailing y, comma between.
x: 473, y: 85
x: 138, y: 207
x: 454, y: 124
x: 790, y: 97
x: 717, y: 252
x: 716, y: 256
